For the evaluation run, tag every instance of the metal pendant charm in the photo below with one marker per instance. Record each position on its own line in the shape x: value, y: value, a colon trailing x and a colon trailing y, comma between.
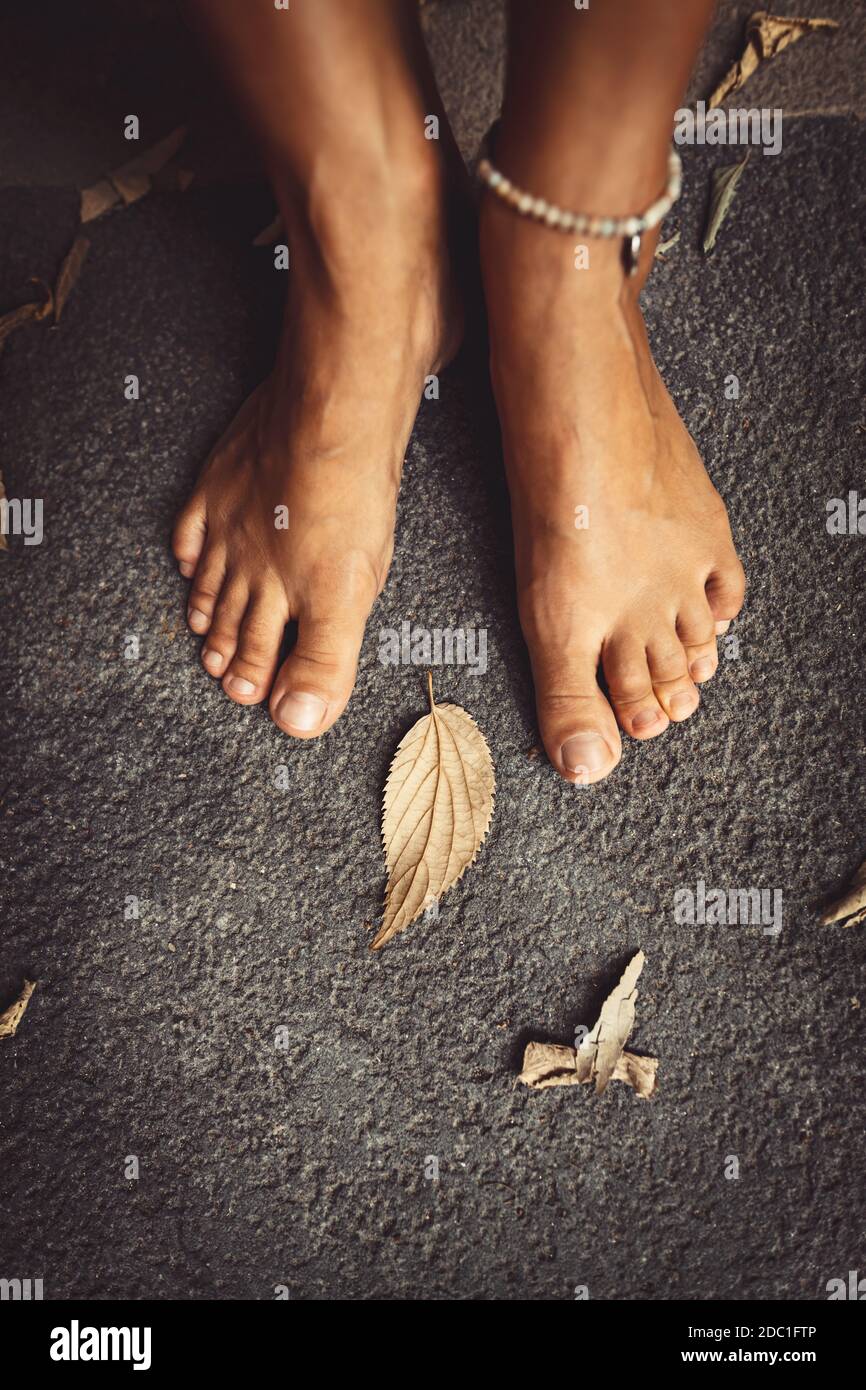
x: 631, y: 253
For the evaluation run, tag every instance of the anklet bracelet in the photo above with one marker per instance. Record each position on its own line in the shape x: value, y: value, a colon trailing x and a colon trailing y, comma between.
x: 631, y: 229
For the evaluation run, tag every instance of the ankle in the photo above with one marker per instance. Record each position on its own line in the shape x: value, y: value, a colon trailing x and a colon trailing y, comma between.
x: 352, y: 201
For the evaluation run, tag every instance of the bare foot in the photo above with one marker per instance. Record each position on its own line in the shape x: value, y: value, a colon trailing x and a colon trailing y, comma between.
x: 371, y: 311
x: 641, y: 582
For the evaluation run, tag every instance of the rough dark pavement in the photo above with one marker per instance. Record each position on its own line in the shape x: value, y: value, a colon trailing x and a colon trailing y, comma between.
x: 136, y: 778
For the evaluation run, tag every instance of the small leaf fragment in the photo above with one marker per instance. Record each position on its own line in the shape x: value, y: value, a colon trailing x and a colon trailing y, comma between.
x: 766, y: 36
x: 601, y: 1056
x: 11, y: 1017
x: 665, y: 246
x: 851, y: 905
x: 27, y: 313
x: 601, y: 1049
x: 69, y: 273
x: 436, y: 812
x: 133, y: 179
x: 548, y: 1064
x: 722, y: 191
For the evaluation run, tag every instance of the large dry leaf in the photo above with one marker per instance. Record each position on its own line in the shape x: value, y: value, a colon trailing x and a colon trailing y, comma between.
x: 133, y: 179
x: 601, y: 1049
x: 852, y: 904
x: 11, y: 1017
x: 766, y: 36
x: 69, y: 273
x: 436, y: 812
x: 722, y: 191
x: 549, y: 1064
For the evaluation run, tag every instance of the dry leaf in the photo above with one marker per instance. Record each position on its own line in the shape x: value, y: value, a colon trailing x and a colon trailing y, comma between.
x: 270, y: 234
x: 852, y: 904
x: 436, y: 812
x: 11, y: 1017
x: 722, y: 191
x: 601, y: 1057
x: 69, y: 273
x: 27, y: 313
x: 132, y: 180
x: 98, y: 199
x: 766, y: 36
x: 665, y: 246
x: 548, y: 1064
x: 601, y: 1049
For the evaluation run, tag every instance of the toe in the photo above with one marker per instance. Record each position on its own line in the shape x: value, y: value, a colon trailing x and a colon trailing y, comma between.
x: 222, y: 637
x: 674, y: 688
x: 188, y: 537
x: 630, y: 688
x: 205, y: 589
x: 576, y: 723
x: 697, y: 632
x: 726, y: 589
x: 315, y: 681
x: 251, y: 672
x: 703, y: 659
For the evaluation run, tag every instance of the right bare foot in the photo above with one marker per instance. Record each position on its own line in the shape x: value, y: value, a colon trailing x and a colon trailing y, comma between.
x: 624, y: 555
x: 372, y: 310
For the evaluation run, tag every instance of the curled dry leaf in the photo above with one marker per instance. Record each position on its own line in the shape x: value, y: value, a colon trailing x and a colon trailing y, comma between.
x: 436, y: 812
x: 27, y: 313
x: 11, y: 1017
x: 722, y: 191
x: 852, y: 904
x: 549, y: 1064
x: 766, y: 36
x: 69, y: 273
x: 601, y: 1056
x: 134, y: 179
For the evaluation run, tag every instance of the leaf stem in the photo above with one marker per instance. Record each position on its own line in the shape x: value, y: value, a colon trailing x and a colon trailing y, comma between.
x: 430, y: 690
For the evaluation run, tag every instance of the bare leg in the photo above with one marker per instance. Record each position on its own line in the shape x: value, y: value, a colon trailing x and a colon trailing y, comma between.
x: 338, y: 92
x: 587, y: 422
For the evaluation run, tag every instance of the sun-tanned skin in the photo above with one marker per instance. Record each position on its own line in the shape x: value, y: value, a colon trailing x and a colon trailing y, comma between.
x: 339, y: 92
x: 324, y: 437
x: 587, y: 422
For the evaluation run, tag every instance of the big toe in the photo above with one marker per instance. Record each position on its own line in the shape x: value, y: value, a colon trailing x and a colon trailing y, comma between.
x: 315, y: 681
x: 576, y: 722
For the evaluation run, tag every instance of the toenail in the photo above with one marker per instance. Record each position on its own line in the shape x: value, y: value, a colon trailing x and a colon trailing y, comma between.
x: 186, y: 569
x: 212, y: 659
x: 301, y: 711
x: 702, y: 668
x: 646, y: 719
x: 722, y: 627
x: 585, y: 753
x: 238, y: 686
x: 683, y: 703
x: 198, y: 621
